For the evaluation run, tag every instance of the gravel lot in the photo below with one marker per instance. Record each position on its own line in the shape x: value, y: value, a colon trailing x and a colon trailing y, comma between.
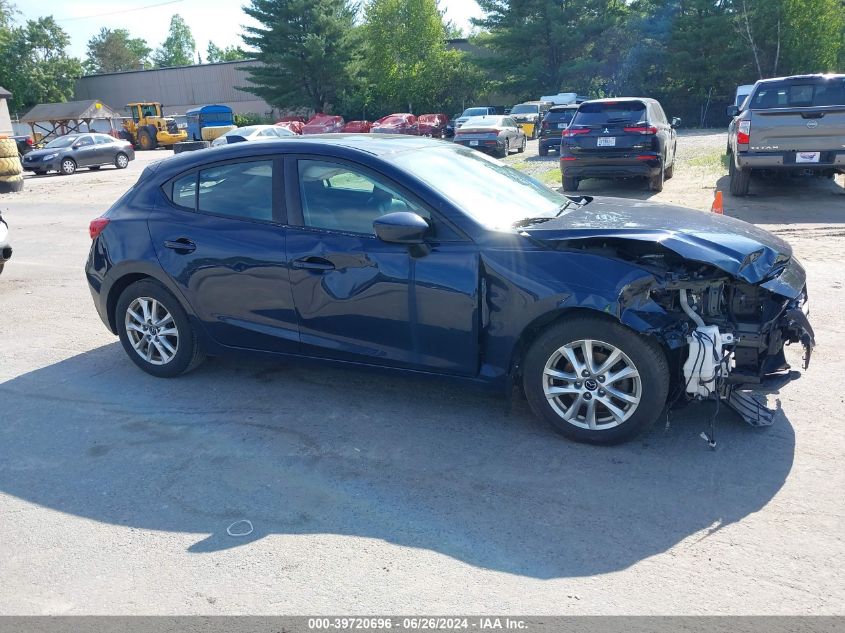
x: 371, y: 493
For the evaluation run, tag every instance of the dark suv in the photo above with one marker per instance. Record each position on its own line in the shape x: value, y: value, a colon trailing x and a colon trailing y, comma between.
x: 557, y: 119
x: 618, y: 138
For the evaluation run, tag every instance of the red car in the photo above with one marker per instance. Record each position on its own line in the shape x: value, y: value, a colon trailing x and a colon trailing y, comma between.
x: 323, y: 124
x: 433, y: 124
x: 401, y: 123
x: 293, y: 126
x: 361, y: 127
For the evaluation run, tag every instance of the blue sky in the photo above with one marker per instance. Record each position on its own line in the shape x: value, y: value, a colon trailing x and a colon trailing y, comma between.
x: 216, y: 20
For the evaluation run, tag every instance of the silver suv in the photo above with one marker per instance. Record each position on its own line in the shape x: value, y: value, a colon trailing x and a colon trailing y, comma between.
x: 791, y: 124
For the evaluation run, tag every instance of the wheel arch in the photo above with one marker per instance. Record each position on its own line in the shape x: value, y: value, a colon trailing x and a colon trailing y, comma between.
x: 536, y: 327
x: 125, y: 280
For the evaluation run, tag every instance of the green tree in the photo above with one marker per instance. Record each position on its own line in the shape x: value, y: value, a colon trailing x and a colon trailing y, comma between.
x: 114, y: 50
x: 406, y: 65
x: 544, y: 46
x: 305, y: 49
x: 229, y: 54
x: 34, y: 64
x: 179, y: 46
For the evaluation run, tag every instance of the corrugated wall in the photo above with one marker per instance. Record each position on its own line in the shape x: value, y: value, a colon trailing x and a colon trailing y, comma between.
x: 178, y: 89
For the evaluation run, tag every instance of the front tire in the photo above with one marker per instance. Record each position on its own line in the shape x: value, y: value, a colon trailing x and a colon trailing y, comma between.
x: 155, y: 330
x: 68, y: 167
x: 595, y: 380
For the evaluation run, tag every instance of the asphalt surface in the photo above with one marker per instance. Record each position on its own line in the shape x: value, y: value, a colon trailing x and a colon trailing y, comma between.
x: 372, y: 493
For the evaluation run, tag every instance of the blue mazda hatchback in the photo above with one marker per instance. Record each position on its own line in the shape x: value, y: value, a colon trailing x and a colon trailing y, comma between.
x: 423, y: 256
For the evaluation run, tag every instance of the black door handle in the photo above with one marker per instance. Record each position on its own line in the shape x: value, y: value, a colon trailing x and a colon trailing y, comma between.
x: 182, y: 245
x: 313, y: 263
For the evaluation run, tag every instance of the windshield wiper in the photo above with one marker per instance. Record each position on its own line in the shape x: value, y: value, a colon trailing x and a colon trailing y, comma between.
x: 571, y: 201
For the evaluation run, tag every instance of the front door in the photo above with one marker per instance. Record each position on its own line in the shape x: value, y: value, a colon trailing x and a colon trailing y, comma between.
x: 220, y: 236
x: 84, y: 151
x: 358, y: 298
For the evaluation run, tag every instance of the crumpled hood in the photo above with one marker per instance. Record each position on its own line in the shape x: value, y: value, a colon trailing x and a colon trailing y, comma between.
x: 736, y: 247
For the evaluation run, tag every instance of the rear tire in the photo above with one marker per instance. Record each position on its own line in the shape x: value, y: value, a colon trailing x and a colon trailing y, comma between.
x: 570, y: 183
x: 740, y: 179
x: 521, y: 148
x: 146, y: 140
x: 670, y: 171
x: 121, y: 160
x: 622, y: 408
x: 505, y: 152
x: 655, y: 183
x: 159, y: 302
x: 543, y: 151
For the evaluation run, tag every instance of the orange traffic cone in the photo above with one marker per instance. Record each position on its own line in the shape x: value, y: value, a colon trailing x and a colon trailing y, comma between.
x: 717, y: 206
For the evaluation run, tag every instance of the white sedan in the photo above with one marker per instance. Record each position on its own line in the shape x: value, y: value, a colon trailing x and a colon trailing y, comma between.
x: 252, y: 133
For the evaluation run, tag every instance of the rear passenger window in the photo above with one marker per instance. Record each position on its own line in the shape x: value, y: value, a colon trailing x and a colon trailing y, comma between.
x: 241, y: 190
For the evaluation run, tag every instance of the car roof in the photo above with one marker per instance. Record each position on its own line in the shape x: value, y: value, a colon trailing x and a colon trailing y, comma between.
x: 362, y: 144
x: 802, y: 77
x: 621, y: 100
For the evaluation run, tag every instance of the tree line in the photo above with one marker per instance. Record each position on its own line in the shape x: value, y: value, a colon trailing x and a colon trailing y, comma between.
x: 367, y: 58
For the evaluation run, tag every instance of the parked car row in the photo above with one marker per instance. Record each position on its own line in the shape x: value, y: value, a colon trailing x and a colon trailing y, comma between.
x: 398, y: 123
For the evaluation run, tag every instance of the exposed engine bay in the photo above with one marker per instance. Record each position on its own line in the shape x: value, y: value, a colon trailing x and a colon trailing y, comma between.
x: 728, y: 334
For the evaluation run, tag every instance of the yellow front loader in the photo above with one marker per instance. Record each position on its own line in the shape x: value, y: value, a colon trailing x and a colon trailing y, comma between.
x: 147, y: 128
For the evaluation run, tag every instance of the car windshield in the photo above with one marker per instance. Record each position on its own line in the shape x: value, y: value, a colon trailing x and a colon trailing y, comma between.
x: 799, y: 93
x: 475, y: 112
x: 494, y: 195
x: 609, y: 112
x: 525, y: 108
x: 63, y: 141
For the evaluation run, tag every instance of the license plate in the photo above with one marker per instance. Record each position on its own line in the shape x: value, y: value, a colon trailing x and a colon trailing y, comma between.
x: 473, y: 143
x: 606, y: 141
x: 807, y: 157
x: 561, y: 126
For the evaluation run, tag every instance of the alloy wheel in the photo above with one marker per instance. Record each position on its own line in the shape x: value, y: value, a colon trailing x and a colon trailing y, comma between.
x: 122, y: 161
x: 152, y: 331
x: 592, y: 385
x: 68, y: 166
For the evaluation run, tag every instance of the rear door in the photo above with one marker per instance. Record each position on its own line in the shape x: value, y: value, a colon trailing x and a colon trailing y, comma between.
x: 219, y: 234
x: 610, y: 129
x: 801, y: 114
x: 105, y: 149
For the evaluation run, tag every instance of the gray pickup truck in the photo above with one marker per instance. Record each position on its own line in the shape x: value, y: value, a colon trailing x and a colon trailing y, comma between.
x: 789, y: 124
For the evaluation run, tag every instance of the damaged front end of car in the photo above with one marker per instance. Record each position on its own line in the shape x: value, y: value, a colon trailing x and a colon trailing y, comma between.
x: 727, y: 331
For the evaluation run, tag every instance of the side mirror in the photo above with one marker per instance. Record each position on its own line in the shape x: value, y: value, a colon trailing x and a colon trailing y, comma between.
x: 732, y: 110
x: 676, y: 121
x: 401, y: 227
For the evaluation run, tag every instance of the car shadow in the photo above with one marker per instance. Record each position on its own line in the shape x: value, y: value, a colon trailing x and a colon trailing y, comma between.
x: 787, y: 200
x: 420, y: 463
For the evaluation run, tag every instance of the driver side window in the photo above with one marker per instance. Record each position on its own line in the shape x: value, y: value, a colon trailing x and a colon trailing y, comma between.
x: 341, y: 198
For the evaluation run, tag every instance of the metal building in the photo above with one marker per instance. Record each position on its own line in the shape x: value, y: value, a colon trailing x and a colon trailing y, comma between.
x: 178, y: 89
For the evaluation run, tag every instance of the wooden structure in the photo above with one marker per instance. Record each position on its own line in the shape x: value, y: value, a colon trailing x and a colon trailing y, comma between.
x: 50, y: 120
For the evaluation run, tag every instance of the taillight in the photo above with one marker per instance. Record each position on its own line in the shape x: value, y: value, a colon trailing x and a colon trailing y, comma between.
x: 641, y: 129
x: 29, y: 141
x: 96, y: 227
x: 575, y: 131
x: 743, y: 132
